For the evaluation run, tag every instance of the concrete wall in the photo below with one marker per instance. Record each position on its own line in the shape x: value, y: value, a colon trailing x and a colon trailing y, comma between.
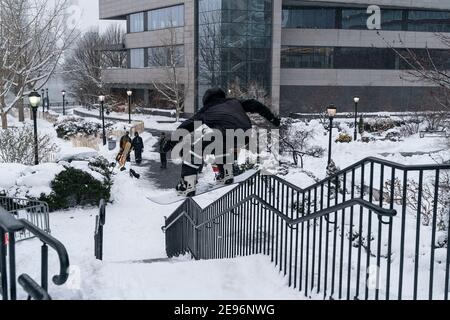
x: 346, y: 77
x: 360, y: 38
x: 137, y: 76
x: 153, y: 38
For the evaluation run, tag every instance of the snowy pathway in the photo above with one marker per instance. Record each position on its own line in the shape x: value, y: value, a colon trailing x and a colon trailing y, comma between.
x: 135, y: 264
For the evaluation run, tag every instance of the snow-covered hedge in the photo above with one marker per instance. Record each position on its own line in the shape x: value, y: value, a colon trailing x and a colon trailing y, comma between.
x: 62, y: 185
x: 69, y: 127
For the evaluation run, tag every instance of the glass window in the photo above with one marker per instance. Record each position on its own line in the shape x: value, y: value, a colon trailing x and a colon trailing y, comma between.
x: 391, y: 19
x: 309, y: 18
x: 307, y: 57
x: 359, y: 58
x: 137, y: 58
x: 354, y: 18
x: 166, y: 56
x: 429, y: 21
x: 166, y: 18
x: 137, y: 22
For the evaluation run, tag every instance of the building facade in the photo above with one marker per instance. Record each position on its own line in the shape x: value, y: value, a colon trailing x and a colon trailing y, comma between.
x: 303, y: 54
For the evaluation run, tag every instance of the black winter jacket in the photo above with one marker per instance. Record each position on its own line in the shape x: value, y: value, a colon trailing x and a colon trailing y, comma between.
x: 222, y: 113
x: 138, y: 143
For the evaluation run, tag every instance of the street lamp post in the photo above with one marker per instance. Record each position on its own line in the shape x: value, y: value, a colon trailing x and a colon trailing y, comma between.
x: 48, y: 99
x: 64, y: 101
x: 129, y: 93
x: 35, y: 99
x: 43, y: 97
x: 331, y: 111
x: 101, y: 98
x: 356, y: 100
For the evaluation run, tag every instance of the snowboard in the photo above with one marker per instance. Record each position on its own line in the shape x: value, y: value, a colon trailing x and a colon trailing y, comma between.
x: 172, y: 196
x: 124, y: 155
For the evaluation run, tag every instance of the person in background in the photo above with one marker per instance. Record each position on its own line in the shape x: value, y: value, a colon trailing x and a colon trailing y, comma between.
x: 138, y: 147
x: 162, y: 150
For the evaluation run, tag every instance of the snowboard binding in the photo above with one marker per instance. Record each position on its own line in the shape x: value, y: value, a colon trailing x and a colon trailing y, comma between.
x: 187, y: 186
x: 225, y: 176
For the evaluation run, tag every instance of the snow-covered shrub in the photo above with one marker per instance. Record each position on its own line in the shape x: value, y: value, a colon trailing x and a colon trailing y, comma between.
x: 426, y: 205
x: 296, y: 139
x: 73, y: 187
x: 380, y: 124
x: 17, y: 146
x: 344, y: 138
x: 72, y: 126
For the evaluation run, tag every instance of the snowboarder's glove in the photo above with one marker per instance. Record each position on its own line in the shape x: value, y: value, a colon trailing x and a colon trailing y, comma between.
x: 276, y: 122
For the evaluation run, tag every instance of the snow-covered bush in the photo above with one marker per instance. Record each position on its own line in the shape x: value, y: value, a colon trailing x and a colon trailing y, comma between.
x: 380, y: 124
x: 73, y: 187
x: 344, y: 138
x: 296, y: 139
x: 72, y: 126
x: 17, y: 146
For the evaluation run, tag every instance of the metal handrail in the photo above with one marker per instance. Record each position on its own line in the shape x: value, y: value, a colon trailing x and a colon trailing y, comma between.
x: 345, y: 171
x: 347, y: 204
x: 63, y: 256
x: 34, y: 291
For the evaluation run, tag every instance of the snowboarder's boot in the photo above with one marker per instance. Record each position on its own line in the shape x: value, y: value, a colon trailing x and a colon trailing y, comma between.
x: 187, y: 186
x: 225, y: 175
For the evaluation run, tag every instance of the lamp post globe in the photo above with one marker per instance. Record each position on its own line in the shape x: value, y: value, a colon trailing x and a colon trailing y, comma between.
x: 129, y: 93
x: 102, y: 98
x: 35, y: 100
x: 356, y: 100
x: 331, y: 112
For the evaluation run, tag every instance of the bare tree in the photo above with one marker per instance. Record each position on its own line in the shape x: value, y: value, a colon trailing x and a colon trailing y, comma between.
x: 171, y: 59
x: 91, y: 53
x: 210, y: 46
x: 427, y: 66
x: 33, y: 37
x: 295, y: 138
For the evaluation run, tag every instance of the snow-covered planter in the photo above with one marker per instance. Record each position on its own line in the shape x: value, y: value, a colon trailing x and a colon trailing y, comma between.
x: 70, y: 127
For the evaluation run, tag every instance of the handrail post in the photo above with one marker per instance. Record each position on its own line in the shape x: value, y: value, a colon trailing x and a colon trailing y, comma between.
x: 12, y: 265
x: 194, y: 227
x: 4, y: 276
x: 44, y: 267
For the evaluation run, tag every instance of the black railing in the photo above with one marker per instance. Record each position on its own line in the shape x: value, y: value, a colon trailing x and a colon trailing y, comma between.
x: 100, y: 221
x: 34, y: 211
x: 9, y: 227
x: 339, y: 238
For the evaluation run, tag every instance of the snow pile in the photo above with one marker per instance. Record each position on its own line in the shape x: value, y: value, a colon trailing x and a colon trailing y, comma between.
x: 33, y: 181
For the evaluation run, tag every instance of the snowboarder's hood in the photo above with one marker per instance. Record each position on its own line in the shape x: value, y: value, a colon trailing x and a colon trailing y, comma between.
x: 213, y: 96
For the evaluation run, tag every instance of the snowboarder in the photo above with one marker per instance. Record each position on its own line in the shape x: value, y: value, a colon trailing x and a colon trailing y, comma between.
x: 138, y: 147
x: 123, y: 142
x: 125, y: 150
x: 219, y: 113
x: 163, y: 142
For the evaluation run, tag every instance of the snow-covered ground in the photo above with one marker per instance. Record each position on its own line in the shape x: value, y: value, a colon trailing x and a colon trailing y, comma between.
x: 134, y: 242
